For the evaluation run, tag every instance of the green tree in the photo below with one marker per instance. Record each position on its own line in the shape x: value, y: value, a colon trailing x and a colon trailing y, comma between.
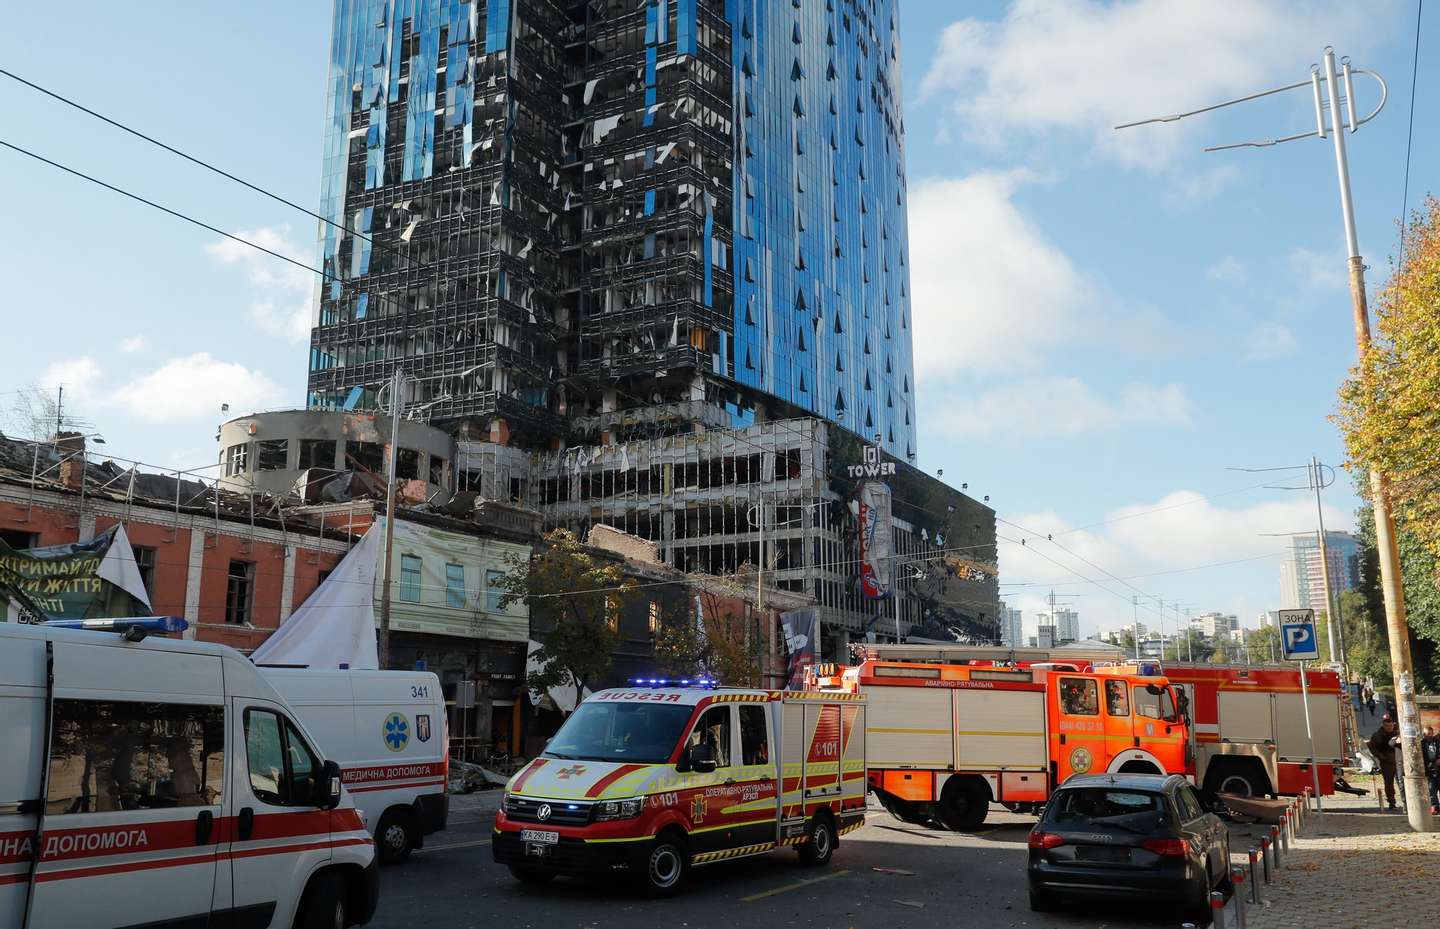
x: 730, y: 647
x: 1263, y: 644
x: 1419, y: 569
x: 576, y: 597
x: 1190, y: 645
x: 1388, y: 410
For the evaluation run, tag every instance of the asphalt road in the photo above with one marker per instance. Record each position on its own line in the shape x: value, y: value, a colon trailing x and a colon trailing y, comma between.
x: 938, y: 879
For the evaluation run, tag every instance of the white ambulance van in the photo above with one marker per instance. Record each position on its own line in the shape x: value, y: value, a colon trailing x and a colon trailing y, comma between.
x: 163, y: 782
x: 386, y: 730
x: 652, y: 780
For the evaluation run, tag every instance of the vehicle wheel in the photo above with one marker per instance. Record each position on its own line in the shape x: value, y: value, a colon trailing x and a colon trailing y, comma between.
x: 666, y: 865
x: 1238, y: 780
x: 395, y: 837
x: 963, y: 804
x: 323, y: 906
x: 819, y: 844
x: 1041, y: 902
x: 531, y: 876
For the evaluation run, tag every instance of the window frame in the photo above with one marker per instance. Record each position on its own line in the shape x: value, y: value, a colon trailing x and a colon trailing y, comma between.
x: 1091, y: 685
x: 304, y: 463
x: 237, y: 459
x: 243, y: 613
x: 285, y: 728
x: 262, y: 446
x: 1111, y: 687
x: 494, y: 592
x: 724, y: 749
x: 410, y: 579
x: 212, y: 728
x: 452, y: 592
x: 754, y: 710
x: 146, y: 557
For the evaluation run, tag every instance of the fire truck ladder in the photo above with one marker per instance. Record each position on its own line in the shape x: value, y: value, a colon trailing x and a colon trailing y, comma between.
x: 952, y: 654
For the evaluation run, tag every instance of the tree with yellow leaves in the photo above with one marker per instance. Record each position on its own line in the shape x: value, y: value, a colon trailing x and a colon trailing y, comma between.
x: 1390, y: 405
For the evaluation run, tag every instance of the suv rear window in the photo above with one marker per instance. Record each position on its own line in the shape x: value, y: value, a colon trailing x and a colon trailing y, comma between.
x: 1100, y: 807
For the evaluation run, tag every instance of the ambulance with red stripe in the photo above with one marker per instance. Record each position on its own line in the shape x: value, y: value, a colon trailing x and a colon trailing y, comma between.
x: 653, y: 780
x: 386, y: 730
x: 147, y: 781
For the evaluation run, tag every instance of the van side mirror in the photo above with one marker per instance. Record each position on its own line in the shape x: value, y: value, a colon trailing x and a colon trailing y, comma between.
x: 698, y: 758
x: 327, y: 795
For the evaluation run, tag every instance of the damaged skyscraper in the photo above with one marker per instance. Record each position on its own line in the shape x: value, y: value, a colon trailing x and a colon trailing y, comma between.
x: 647, y: 260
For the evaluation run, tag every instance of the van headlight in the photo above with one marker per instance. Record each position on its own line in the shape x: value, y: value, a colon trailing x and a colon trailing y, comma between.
x: 619, y: 809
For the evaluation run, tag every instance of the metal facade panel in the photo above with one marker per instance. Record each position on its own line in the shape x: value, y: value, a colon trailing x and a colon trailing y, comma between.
x: 1245, y: 716
x: 1000, y: 729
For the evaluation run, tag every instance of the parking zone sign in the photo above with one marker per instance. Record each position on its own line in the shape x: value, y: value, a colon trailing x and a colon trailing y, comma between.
x: 1297, y: 635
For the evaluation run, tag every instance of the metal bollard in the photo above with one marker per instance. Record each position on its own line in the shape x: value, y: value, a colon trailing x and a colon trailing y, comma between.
x: 1256, y: 895
x: 1217, y: 910
x: 1268, y: 859
x: 1275, y: 847
x: 1237, y: 878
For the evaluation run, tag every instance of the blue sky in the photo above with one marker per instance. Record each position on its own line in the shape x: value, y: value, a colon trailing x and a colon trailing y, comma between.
x: 1105, y: 321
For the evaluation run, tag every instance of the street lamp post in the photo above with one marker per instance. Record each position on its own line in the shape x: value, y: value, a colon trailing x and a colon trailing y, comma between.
x: 1401, y: 664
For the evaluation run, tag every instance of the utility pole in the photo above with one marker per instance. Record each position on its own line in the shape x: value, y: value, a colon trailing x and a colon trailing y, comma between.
x: 1334, y: 632
x: 1401, y: 664
x: 1189, y: 648
x: 397, y: 410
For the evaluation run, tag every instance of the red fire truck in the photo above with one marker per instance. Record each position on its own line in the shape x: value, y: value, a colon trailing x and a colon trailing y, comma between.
x: 952, y: 729
x: 1248, y: 726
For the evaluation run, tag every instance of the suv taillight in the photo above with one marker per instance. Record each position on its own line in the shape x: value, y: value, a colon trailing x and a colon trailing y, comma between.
x: 1169, y: 848
x: 1043, y: 840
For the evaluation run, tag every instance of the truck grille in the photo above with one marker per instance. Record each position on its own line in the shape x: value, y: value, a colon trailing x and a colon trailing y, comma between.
x: 562, y: 812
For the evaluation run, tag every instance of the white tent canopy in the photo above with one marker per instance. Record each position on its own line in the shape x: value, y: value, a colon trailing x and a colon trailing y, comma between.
x: 336, y: 625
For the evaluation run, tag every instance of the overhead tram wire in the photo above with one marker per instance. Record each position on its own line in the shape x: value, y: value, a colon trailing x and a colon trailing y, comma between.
x: 324, y: 275
x: 200, y: 162
x: 1136, y: 577
x: 1410, y: 133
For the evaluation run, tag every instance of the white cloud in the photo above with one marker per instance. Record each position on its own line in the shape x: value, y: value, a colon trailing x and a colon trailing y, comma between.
x: 1321, y: 270
x: 193, y: 387
x: 1182, y: 543
x: 283, y: 292
x: 990, y: 291
x: 133, y: 344
x: 1082, y: 66
x: 1059, y: 406
x: 1229, y: 270
x: 1185, y: 188
x: 1270, y: 341
x: 79, y: 377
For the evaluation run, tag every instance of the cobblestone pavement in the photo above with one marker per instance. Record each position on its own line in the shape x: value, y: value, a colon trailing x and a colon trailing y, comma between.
x: 1354, y: 867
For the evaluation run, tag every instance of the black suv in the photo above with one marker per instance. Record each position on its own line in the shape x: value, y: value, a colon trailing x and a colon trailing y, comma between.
x: 1139, y: 836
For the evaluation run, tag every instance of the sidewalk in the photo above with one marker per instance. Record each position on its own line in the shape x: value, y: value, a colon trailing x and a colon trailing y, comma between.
x: 1355, y: 867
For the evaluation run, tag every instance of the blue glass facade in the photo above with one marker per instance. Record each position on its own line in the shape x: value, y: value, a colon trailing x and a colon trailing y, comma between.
x: 549, y: 210
x: 822, y: 305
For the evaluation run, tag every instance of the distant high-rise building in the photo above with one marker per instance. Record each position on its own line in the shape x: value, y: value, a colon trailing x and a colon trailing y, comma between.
x: 1011, y: 627
x: 1302, y: 583
x: 1215, y: 625
x: 1067, y: 626
x: 1045, y: 637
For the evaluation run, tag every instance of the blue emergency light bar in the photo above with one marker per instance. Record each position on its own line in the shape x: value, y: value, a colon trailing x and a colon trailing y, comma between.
x: 669, y: 682
x: 1148, y: 668
x: 129, y: 625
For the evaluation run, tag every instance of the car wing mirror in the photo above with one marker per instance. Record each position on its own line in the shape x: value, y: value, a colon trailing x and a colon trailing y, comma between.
x: 328, y: 792
x: 700, y: 758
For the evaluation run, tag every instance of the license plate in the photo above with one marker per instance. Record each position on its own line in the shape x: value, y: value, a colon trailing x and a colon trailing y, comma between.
x: 539, y: 837
x: 1101, y: 853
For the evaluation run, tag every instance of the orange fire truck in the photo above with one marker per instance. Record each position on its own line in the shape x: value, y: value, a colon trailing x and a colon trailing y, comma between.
x: 1248, y: 727
x: 951, y: 730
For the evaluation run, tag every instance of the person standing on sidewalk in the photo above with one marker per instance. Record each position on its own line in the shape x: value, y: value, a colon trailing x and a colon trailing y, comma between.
x: 1430, y: 751
x: 1382, y: 746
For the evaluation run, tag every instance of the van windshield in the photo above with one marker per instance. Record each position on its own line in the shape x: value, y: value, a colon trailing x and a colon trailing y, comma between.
x: 642, y: 733
x: 1154, y: 705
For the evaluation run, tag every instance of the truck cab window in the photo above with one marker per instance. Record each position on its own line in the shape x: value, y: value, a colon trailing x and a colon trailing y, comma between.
x: 1079, y: 696
x: 1154, y: 705
x: 282, y: 767
x: 1117, y: 699
x: 713, y: 729
x: 754, y: 746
